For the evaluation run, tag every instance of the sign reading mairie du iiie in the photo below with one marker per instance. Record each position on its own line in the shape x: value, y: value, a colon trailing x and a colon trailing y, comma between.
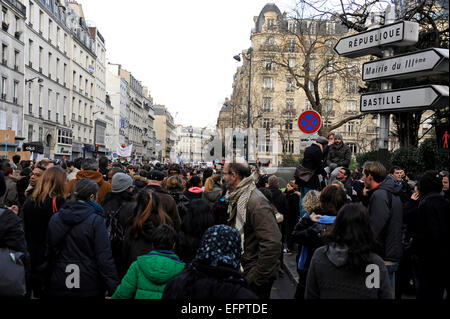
x: 309, y: 122
x: 408, y: 99
x: 420, y: 63
x: 402, y: 33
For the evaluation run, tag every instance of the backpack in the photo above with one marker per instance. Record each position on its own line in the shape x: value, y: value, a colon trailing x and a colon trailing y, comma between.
x: 115, y: 230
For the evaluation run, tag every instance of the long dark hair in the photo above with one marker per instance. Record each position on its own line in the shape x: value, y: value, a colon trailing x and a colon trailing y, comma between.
x: 148, y: 208
x: 352, y: 229
x: 83, y: 190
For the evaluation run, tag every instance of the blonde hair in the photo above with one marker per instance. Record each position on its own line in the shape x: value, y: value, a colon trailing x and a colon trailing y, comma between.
x: 51, y: 184
x: 311, y: 201
x: 210, y: 181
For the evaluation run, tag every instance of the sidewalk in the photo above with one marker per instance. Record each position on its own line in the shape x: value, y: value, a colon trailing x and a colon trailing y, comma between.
x: 290, y: 266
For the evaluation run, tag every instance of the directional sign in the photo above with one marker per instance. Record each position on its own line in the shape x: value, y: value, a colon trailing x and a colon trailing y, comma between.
x: 309, y: 122
x: 401, y: 33
x: 426, y: 62
x: 409, y: 99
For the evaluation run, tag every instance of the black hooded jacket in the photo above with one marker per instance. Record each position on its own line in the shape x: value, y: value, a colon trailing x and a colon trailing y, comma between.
x: 78, y: 232
x: 386, y: 218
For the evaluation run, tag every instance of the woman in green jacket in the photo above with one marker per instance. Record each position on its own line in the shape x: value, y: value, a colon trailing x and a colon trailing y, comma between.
x: 147, y: 277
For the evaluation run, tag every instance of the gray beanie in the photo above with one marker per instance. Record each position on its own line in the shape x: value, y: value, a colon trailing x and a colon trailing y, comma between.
x: 121, y: 182
x: 339, y: 136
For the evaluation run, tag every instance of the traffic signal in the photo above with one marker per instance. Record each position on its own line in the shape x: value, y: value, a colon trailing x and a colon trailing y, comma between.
x: 96, y: 147
x: 443, y: 135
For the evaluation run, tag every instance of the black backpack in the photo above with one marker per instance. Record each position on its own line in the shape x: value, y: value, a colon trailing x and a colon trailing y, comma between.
x: 115, y: 230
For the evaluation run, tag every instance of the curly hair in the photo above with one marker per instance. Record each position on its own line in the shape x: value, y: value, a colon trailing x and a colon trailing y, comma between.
x: 311, y: 201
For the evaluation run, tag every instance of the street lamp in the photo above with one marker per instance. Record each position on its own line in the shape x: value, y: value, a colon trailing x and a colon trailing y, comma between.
x: 40, y: 80
x: 249, y: 58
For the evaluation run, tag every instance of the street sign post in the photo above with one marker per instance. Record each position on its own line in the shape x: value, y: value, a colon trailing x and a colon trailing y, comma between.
x: 402, y: 33
x: 420, y: 63
x: 309, y: 122
x: 408, y: 99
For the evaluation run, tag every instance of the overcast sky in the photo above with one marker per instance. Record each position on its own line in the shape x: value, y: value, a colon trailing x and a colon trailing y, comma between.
x: 181, y: 50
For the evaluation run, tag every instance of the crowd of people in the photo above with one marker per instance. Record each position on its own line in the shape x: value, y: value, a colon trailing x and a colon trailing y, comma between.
x: 96, y: 228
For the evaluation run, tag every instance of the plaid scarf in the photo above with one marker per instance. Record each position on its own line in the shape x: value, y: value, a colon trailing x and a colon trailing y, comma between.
x: 240, y: 196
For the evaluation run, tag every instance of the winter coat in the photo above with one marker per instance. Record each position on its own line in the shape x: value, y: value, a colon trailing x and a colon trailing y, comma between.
x: 262, y: 240
x: 168, y: 204
x: 11, y: 196
x: 194, y: 193
x: 148, y: 276
x: 385, y: 210
x: 339, y: 155
x: 103, y: 187
x: 2, y: 184
x: 330, y: 278
x: 22, y: 185
x: 309, y: 234
x: 123, y: 204
x: 12, y: 236
x: 293, y: 206
x: 36, y: 219
x: 134, y: 247
x: 433, y: 235
x: 198, y: 281
x: 212, y: 196
x: 279, y: 200
x: 78, y: 231
x: 182, y: 203
x: 312, y: 159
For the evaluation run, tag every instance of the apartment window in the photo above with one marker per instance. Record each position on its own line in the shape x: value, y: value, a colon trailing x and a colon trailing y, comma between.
x: 292, y: 63
x: 328, y: 106
x: 65, y: 137
x: 292, y: 26
x: 270, y: 24
x: 79, y: 84
x: 352, y: 86
x: 87, y: 63
x: 30, y: 52
x: 65, y: 42
x: 351, y: 106
x: 290, y: 85
x: 50, y: 27
x: 75, y: 52
x: 331, y: 27
x: 3, y: 95
x: 16, y: 92
x: 16, y: 60
x: 268, y: 83
x: 41, y: 22
x: 63, y: 110
x: 86, y: 87
x: 290, y: 105
x: 350, y: 127
x: 49, y: 102
x: 30, y: 105
x: 308, y: 106
x: 288, y: 147
x: 267, y: 123
x: 267, y: 104
x: 41, y: 134
x: 291, y: 45
x: 49, y: 65
x: 64, y: 73
x: 353, y: 147
x: 57, y: 70
x: 30, y: 12
x: 41, y: 58
x: 268, y: 65
x: 312, y: 27
x: 30, y: 133
x: 74, y: 79
x: 40, y: 99
x: 329, y: 86
x: 58, y: 30
x: 4, y: 11
x: 288, y: 125
x: 57, y: 107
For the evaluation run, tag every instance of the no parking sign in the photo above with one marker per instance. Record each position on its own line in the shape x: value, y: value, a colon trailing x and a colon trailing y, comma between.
x: 309, y: 122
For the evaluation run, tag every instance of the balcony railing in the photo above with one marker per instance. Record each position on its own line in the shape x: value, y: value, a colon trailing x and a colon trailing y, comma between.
x: 19, y: 6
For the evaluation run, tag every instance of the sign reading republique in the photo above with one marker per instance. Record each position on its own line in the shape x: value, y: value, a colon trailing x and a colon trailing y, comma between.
x: 420, y: 63
x: 401, y: 33
x: 409, y: 99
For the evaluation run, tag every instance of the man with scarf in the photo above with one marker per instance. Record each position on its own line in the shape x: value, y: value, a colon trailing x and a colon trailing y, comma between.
x: 252, y: 215
x: 339, y: 156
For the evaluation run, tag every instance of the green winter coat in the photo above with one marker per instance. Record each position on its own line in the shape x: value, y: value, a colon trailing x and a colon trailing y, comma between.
x: 147, y: 277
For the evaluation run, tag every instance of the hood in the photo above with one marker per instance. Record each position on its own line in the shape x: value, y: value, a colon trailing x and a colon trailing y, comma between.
x: 195, y: 190
x: 94, y: 175
x: 213, y: 195
x: 75, y: 213
x: 390, y: 185
x: 160, y: 266
x: 337, y: 255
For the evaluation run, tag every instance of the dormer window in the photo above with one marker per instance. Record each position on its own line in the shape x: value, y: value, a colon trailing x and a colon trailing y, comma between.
x: 270, y: 24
